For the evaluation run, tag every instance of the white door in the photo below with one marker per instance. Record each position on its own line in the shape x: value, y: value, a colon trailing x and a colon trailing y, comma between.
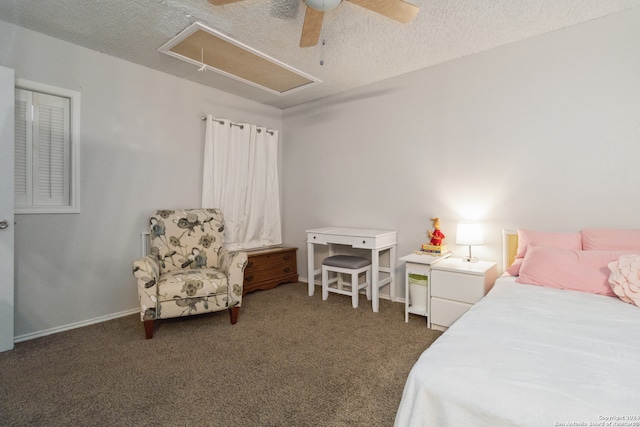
x: 7, y: 93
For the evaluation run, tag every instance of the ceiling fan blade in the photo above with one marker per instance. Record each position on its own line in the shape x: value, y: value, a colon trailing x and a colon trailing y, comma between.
x: 222, y: 2
x: 311, y: 27
x: 394, y: 9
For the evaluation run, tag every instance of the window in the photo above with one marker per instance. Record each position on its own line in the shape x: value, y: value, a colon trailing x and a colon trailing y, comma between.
x: 46, y: 141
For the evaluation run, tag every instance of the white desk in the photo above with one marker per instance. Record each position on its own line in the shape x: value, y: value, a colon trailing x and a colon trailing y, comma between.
x: 377, y: 241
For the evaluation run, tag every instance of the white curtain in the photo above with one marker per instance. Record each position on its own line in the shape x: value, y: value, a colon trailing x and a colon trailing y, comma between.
x: 240, y: 176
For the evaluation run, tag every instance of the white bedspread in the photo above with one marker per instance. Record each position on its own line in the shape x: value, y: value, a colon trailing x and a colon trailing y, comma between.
x: 527, y: 355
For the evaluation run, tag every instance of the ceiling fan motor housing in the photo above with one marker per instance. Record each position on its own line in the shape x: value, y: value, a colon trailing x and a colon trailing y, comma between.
x: 322, y: 5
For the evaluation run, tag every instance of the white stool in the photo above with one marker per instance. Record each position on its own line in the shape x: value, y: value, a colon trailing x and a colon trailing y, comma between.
x: 353, y: 265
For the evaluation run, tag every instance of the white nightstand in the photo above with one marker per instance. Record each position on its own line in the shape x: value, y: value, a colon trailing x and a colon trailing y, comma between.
x: 420, y: 265
x: 455, y: 286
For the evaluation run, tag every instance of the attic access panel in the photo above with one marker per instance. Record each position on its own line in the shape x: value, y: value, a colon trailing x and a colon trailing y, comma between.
x: 204, y: 46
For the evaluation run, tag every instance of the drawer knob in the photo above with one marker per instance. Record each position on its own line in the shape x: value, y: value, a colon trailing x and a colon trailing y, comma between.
x: 287, y: 257
x: 250, y: 264
x: 248, y: 278
x: 287, y: 270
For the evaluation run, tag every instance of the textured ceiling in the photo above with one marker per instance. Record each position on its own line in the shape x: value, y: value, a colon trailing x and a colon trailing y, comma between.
x: 360, y: 46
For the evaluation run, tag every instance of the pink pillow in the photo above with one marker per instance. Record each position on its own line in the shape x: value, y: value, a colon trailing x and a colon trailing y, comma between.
x: 607, y: 239
x: 585, y: 271
x: 625, y: 278
x: 542, y: 238
x: 514, y: 268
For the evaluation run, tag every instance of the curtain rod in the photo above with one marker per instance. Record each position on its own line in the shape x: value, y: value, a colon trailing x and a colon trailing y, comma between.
x: 221, y: 122
x: 270, y: 132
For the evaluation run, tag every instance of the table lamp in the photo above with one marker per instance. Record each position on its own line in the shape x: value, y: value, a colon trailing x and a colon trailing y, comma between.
x: 470, y: 234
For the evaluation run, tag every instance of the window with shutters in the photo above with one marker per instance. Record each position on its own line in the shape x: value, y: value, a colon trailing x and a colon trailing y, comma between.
x: 46, y: 141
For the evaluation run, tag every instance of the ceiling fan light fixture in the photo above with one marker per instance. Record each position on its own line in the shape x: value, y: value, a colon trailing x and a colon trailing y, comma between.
x: 322, y: 5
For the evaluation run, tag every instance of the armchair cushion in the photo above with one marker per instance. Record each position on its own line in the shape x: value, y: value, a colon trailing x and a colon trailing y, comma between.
x: 191, y: 283
x: 187, y: 238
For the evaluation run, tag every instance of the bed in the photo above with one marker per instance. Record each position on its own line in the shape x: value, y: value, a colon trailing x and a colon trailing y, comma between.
x: 529, y: 354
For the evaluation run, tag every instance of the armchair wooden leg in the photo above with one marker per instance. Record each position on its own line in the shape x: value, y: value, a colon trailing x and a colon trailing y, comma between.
x: 233, y: 313
x: 148, y: 328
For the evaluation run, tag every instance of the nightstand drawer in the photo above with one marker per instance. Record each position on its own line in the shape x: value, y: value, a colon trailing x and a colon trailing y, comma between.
x: 445, y: 312
x: 467, y: 288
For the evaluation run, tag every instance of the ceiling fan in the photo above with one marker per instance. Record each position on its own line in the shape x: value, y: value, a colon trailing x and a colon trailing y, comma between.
x: 398, y: 10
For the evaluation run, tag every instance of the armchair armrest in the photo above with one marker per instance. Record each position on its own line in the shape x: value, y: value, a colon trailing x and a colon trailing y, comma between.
x: 232, y: 264
x: 147, y: 271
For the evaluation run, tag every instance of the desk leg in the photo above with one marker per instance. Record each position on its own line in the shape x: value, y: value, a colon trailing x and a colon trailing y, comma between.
x: 310, y: 269
x: 406, y: 292
x: 392, y: 272
x: 429, y: 301
x: 375, y: 278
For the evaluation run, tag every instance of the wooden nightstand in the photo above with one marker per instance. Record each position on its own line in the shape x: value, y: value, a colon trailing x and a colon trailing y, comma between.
x: 267, y: 268
x: 455, y: 286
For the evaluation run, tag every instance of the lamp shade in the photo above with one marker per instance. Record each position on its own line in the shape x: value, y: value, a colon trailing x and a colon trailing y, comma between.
x: 322, y: 5
x: 469, y: 233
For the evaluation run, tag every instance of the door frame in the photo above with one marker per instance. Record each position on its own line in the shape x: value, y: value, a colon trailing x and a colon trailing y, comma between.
x: 7, y: 236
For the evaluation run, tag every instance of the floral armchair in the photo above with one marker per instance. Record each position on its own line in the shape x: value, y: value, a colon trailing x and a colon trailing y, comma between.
x: 189, y: 271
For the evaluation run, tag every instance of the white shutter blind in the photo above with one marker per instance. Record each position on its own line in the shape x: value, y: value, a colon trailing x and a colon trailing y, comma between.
x: 22, y: 170
x: 50, y: 150
x: 46, y: 148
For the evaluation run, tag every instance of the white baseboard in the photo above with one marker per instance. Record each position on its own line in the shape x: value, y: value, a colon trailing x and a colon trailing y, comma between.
x: 57, y: 329
x: 112, y: 316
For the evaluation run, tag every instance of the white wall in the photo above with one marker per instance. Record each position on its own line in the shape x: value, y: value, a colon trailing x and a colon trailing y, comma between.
x: 541, y: 134
x: 141, y: 147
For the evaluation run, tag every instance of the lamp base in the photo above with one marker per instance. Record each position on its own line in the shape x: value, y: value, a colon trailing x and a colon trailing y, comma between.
x: 470, y: 258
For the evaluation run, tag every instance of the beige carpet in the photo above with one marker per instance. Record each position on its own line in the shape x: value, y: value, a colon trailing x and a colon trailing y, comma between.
x: 291, y: 360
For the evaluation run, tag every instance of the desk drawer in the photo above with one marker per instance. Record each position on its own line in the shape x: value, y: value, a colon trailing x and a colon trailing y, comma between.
x: 468, y: 288
x: 355, y: 241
